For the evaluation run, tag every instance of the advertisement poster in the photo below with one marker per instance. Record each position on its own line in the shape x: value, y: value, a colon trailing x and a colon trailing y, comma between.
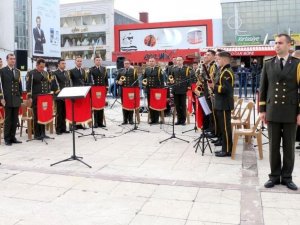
x: 46, y: 28
x: 163, y: 38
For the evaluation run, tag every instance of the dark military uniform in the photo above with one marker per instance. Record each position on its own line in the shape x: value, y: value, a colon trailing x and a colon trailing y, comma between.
x: 224, y: 103
x: 131, y: 77
x: 154, y: 79
x: 179, y: 89
x: 37, y: 83
x: 11, y: 91
x: 60, y: 79
x: 279, y: 98
x: 212, y: 70
x: 98, y: 77
x: 78, y: 77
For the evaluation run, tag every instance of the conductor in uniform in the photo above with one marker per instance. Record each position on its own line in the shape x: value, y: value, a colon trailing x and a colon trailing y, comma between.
x: 127, y: 77
x: 181, y: 82
x: 60, y: 80
x: 153, y: 78
x: 11, y: 98
x: 223, y: 90
x: 37, y: 82
x: 98, y: 77
x: 280, y: 109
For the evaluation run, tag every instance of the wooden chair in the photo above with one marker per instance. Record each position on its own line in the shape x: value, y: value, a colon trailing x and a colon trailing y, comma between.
x: 236, y: 112
x: 27, y: 116
x: 253, y: 132
x: 1, y: 122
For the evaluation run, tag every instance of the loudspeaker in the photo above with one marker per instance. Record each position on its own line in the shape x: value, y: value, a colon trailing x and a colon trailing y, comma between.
x: 120, y: 62
x: 21, y: 59
x: 297, y: 47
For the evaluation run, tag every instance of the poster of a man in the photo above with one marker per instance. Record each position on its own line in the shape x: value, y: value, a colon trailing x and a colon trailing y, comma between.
x: 39, y: 37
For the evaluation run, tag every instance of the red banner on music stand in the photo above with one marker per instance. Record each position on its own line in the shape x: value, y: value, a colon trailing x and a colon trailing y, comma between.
x: 1, y: 112
x: 98, y: 97
x: 44, y: 109
x: 131, y: 98
x: 158, y: 99
x: 82, y: 110
x: 190, y: 101
x: 199, y: 114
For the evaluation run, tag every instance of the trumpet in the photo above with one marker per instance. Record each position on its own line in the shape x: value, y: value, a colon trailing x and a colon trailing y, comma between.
x: 122, y: 78
x: 145, y: 82
x: 171, y: 78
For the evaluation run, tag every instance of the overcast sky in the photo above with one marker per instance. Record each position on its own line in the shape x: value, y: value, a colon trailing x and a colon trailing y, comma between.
x: 168, y: 10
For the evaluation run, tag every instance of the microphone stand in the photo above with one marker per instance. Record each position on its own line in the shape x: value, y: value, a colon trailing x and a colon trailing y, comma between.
x: 135, y: 124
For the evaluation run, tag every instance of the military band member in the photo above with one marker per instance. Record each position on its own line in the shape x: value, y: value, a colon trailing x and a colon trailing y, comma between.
x: 127, y: 77
x: 211, y: 68
x: 1, y: 63
x: 37, y: 82
x: 194, y: 78
x: 98, y: 77
x: 60, y: 80
x: 153, y: 78
x: 280, y: 109
x: 78, y: 74
x: 181, y: 82
x: 224, y: 102
x: 11, y: 98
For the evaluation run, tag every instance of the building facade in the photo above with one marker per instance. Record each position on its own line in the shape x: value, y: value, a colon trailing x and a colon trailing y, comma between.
x: 247, y: 22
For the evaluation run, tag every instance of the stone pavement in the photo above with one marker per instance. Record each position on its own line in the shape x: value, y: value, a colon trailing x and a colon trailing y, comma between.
x: 134, y: 180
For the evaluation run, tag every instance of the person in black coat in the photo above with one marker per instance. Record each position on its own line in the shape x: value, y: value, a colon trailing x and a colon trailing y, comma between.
x: 11, y: 98
x: 39, y: 37
x: 78, y: 75
x: 224, y: 102
x: 280, y: 108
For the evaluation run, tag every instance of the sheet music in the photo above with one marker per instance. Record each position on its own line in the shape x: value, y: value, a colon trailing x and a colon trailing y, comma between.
x: 74, y: 92
x: 204, y: 105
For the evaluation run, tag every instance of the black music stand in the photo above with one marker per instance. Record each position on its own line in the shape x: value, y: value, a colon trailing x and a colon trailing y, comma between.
x: 135, y: 127
x: 93, y: 133
x: 44, y: 136
x: 173, y: 130
x: 73, y: 93
x: 203, y: 141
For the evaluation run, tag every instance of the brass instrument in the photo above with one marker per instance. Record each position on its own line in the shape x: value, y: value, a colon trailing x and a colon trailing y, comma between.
x: 145, y: 82
x: 122, y: 78
x: 171, y: 78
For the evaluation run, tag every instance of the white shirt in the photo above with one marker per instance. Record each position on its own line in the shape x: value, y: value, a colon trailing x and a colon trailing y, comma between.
x: 284, y: 59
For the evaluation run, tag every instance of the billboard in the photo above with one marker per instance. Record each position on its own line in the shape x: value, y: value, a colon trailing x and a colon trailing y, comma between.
x: 45, y: 28
x: 187, y: 37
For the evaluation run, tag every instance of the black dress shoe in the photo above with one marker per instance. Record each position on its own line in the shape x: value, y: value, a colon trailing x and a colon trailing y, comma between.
x: 183, y: 123
x: 15, y: 141
x: 177, y: 123
x: 96, y: 126
x: 39, y: 138
x: 219, y: 143
x: 290, y: 184
x: 271, y: 183
x: 66, y: 132
x: 102, y: 125
x: 218, y: 151
x: 58, y: 133
x: 124, y: 123
x: 215, y: 141
x: 298, y: 147
x: 210, y: 135
x: 131, y: 122
x: 8, y: 143
x: 223, y: 154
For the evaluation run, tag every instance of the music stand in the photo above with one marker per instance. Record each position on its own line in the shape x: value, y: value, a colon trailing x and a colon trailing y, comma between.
x: 135, y: 127
x: 93, y: 133
x: 73, y: 93
x: 203, y: 139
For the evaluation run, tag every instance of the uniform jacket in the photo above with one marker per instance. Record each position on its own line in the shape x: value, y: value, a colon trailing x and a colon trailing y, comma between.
x: 279, y: 96
x: 130, y: 75
x: 182, y: 78
x: 78, y: 77
x: 154, y: 77
x: 98, y: 76
x: 223, y: 89
x: 37, y: 83
x: 11, y: 87
x: 60, y: 79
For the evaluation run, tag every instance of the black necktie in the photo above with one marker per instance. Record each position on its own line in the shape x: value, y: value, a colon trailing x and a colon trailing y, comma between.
x: 281, y: 63
x: 151, y: 70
